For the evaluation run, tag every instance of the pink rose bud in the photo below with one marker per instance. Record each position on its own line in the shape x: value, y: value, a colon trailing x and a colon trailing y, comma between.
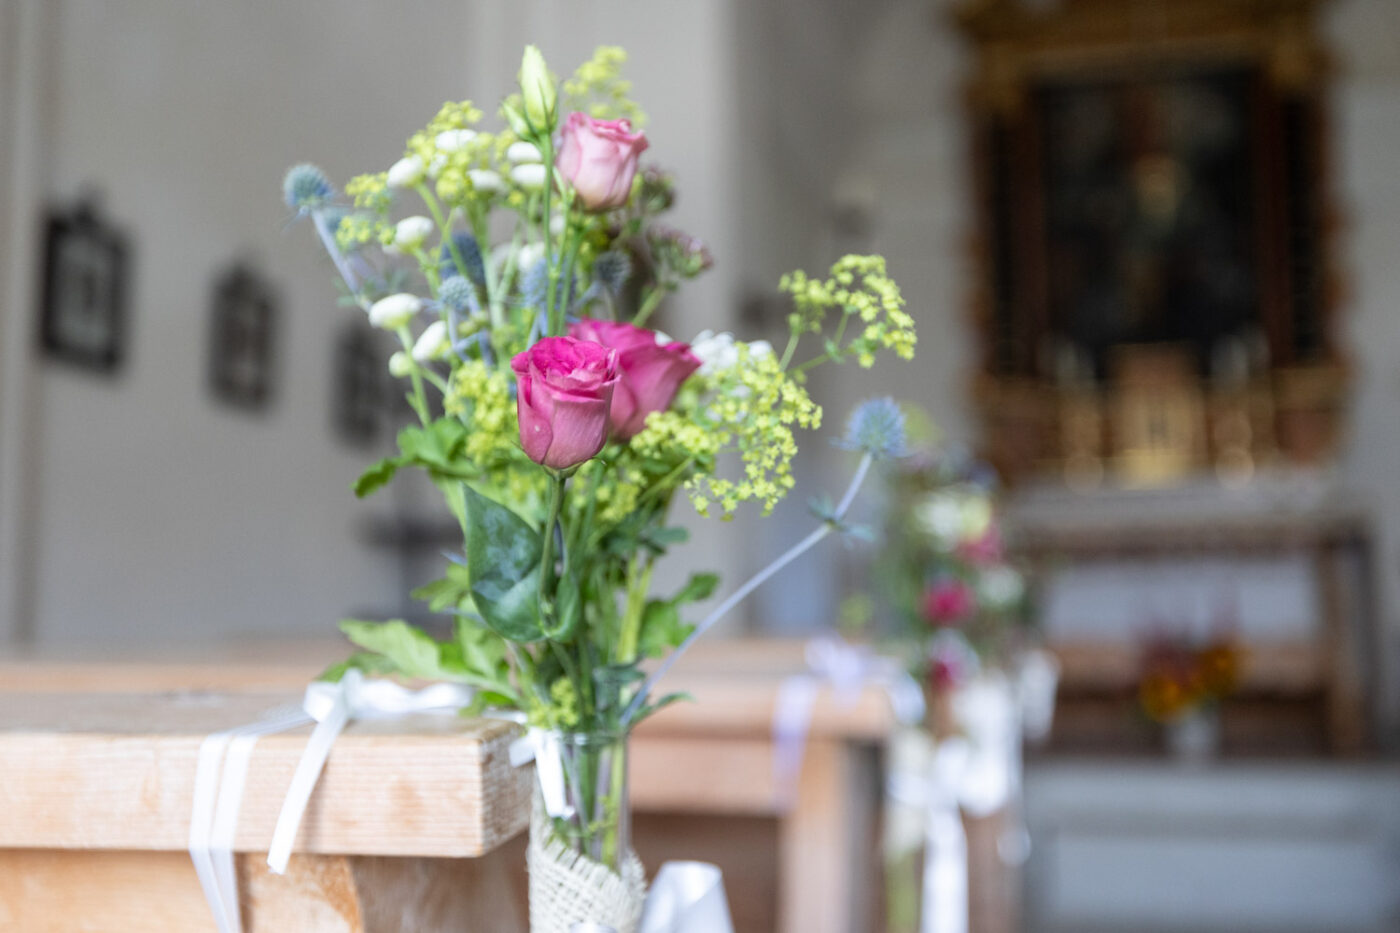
x: 564, y: 391
x: 599, y: 158
x: 948, y: 602
x: 651, y: 372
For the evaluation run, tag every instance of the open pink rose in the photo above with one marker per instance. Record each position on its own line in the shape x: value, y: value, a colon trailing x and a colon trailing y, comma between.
x: 599, y: 158
x: 564, y: 392
x: 651, y: 371
x: 948, y: 602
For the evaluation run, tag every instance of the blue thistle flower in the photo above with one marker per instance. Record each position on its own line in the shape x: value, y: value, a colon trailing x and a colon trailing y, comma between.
x: 876, y: 428
x: 534, y: 285
x: 457, y: 293
x: 470, y: 252
x: 306, y: 187
x: 612, y: 268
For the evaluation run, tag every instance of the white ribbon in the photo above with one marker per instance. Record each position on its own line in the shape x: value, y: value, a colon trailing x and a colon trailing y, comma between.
x: 333, y: 706
x: 686, y: 897
x: 979, y: 774
x: 849, y: 669
x: 218, y: 793
x: 542, y: 747
x: 222, y: 770
x: 937, y: 794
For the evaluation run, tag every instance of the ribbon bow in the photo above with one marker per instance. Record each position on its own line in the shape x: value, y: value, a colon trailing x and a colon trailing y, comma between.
x: 222, y: 770
x: 333, y: 706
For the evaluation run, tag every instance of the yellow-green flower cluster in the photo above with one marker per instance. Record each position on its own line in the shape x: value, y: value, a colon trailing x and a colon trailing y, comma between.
x: 598, y: 89
x: 453, y: 115
x: 355, y: 230
x: 480, y: 397
x: 754, y: 410
x: 858, y: 287
x: 561, y: 712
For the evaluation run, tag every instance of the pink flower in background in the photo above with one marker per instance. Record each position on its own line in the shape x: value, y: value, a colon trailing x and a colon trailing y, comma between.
x: 599, y: 158
x: 983, y: 550
x: 946, y: 672
x: 948, y: 602
x: 564, y: 392
x: 652, y: 372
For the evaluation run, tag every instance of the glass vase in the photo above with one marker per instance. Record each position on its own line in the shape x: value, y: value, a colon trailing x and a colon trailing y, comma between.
x: 582, y: 868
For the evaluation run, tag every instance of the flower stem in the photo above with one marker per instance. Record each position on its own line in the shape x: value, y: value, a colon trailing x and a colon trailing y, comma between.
x: 318, y: 220
x: 419, y: 400
x: 651, y: 303
x: 547, y: 581
x: 753, y: 583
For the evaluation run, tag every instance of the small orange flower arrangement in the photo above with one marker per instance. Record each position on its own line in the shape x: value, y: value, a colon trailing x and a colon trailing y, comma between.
x: 1179, y: 676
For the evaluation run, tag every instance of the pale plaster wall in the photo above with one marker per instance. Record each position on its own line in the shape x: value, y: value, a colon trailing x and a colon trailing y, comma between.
x: 1366, y: 156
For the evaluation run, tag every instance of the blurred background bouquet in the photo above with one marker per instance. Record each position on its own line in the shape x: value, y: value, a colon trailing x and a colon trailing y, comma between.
x: 955, y: 605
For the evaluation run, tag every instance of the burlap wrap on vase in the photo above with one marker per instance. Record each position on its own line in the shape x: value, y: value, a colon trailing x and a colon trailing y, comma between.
x: 566, y: 887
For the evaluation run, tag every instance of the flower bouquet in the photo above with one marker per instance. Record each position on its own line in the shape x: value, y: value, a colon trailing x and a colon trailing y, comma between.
x: 960, y: 606
x: 1181, y: 683
x: 517, y: 269
x: 957, y: 610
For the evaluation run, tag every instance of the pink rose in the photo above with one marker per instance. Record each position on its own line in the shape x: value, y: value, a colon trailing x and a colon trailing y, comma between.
x: 599, y: 158
x: 948, y: 602
x: 651, y: 372
x: 564, y: 392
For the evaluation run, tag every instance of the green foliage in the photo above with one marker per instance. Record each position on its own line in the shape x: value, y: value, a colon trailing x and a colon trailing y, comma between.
x: 475, y: 656
x: 503, y: 561
x: 662, y: 627
x: 450, y: 592
x: 437, y: 448
x: 411, y: 651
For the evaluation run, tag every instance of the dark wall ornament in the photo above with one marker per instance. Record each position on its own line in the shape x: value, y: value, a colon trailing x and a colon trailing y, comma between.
x: 83, y: 316
x: 358, y: 395
x: 1152, y: 189
x: 242, y: 338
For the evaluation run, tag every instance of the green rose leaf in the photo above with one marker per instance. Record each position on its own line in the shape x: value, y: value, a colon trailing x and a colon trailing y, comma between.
x: 503, y: 560
x: 568, y: 611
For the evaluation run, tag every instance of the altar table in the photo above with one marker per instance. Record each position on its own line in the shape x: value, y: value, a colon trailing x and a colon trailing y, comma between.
x: 98, y: 758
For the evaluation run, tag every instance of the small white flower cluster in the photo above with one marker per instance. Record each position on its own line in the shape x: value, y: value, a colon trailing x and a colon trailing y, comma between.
x: 718, y: 352
x: 528, y: 165
x: 952, y: 517
x: 408, y: 172
x: 1000, y: 587
x: 395, y: 311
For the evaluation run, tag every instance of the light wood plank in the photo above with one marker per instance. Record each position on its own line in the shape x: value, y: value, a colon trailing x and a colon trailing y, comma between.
x: 100, y: 771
